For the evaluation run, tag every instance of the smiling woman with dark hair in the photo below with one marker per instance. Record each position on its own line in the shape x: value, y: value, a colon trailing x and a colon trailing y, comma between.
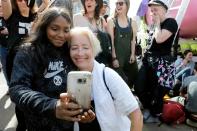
x: 39, y: 76
x: 90, y: 17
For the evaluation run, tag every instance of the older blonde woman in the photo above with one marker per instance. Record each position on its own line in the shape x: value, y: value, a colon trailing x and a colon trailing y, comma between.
x: 116, y: 108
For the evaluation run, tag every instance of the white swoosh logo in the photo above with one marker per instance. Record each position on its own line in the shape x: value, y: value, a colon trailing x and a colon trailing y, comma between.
x: 49, y: 75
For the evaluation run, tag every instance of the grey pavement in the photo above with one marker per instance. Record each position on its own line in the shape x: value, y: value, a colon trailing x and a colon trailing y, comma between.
x: 8, y: 120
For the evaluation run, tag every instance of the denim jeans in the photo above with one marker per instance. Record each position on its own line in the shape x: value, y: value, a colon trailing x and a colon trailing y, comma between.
x: 4, y: 51
x: 183, y: 74
x: 191, y: 105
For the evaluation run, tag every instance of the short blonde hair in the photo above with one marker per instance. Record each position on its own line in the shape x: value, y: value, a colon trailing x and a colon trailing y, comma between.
x: 95, y: 43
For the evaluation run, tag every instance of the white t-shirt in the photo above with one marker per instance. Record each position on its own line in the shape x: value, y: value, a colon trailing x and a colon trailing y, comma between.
x: 79, y: 20
x: 112, y: 114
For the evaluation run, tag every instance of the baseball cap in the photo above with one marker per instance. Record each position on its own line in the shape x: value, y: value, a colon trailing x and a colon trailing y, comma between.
x: 158, y: 2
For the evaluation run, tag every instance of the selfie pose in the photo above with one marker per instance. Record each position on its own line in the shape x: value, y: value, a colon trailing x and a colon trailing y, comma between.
x: 115, y: 106
x: 38, y: 80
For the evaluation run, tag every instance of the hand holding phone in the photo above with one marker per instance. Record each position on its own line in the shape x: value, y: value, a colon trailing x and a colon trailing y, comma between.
x: 87, y: 116
x: 66, y: 109
x: 79, y: 85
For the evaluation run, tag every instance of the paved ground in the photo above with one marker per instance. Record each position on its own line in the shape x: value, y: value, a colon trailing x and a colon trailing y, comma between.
x: 8, y: 119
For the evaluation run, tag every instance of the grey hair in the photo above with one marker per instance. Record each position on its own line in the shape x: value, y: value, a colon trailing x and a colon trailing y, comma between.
x: 95, y: 43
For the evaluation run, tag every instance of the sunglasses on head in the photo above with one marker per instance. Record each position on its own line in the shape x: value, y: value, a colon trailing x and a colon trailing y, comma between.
x: 120, y: 3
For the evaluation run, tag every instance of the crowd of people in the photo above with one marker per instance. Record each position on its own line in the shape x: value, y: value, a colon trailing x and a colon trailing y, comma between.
x: 42, y: 41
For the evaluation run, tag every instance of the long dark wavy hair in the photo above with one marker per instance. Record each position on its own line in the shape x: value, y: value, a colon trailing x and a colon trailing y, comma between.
x: 41, y: 47
x: 97, y: 9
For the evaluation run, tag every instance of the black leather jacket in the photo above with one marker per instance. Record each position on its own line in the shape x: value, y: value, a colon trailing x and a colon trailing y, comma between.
x: 36, y: 93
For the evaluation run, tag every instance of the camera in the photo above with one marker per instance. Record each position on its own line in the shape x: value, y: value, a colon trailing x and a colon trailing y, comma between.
x: 81, y: 80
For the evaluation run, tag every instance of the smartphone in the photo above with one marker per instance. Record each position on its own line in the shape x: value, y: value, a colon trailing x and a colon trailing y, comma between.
x: 79, y: 84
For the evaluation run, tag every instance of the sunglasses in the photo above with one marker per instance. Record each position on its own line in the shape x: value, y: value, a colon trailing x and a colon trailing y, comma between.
x: 120, y: 3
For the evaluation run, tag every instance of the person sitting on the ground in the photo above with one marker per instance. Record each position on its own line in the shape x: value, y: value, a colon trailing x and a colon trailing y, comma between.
x: 191, y: 104
x: 187, y: 81
x: 184, y: 66
x: 189, y: 90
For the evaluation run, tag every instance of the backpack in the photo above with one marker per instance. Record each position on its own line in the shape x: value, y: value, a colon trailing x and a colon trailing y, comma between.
x: 173, y: 113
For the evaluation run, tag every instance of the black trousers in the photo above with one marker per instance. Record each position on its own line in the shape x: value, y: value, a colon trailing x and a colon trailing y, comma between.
x: 149, y: 92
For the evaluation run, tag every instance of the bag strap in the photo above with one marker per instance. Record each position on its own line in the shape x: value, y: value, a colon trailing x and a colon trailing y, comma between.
x: 106, y: 83
x: 102, y: 26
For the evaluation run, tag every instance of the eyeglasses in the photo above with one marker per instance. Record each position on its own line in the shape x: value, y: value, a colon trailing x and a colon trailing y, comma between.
x: 120, y: 3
